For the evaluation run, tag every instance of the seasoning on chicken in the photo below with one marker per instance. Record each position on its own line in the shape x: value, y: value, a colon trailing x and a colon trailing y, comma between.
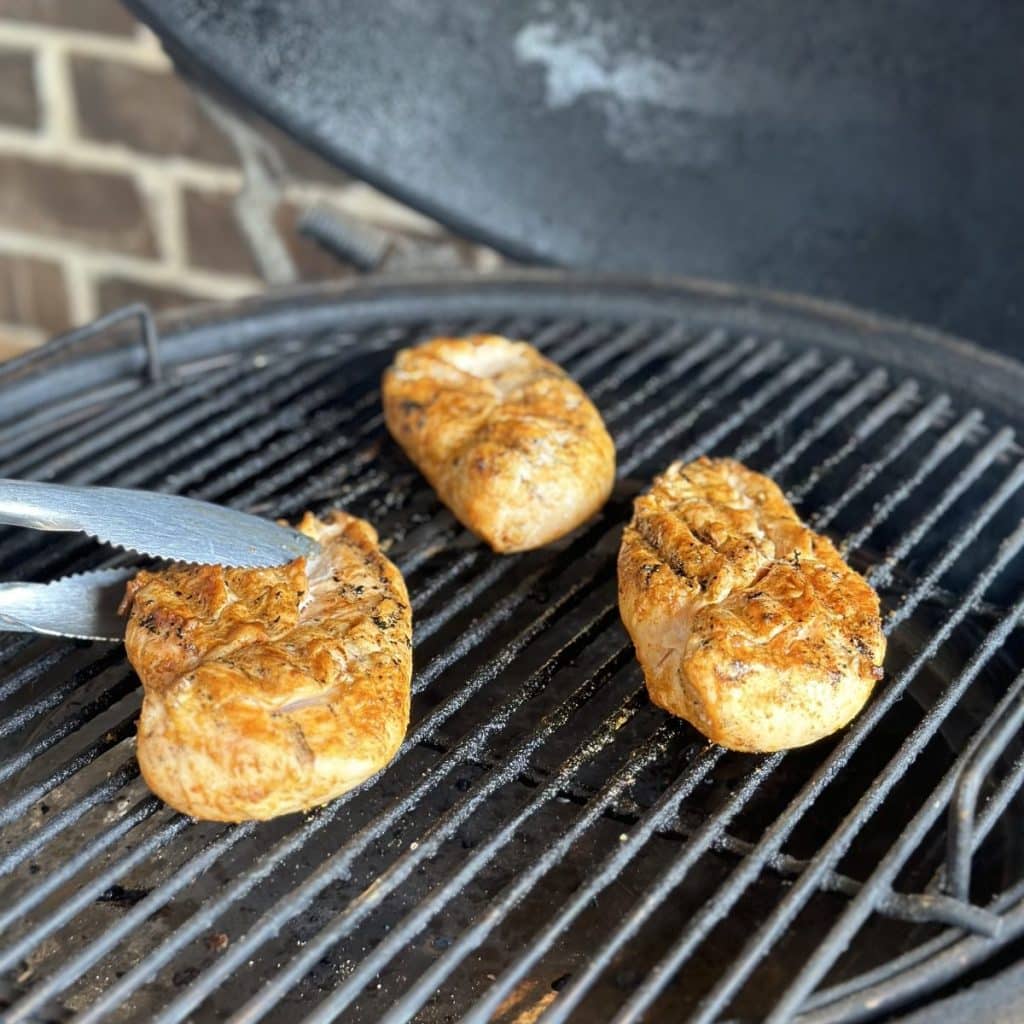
x: 271, y: 690
x: 747, y: 624
x: 510, y: 443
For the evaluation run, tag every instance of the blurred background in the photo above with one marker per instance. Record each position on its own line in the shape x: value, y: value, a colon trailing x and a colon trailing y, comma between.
x: 872, y: 157
x: 117, y: 183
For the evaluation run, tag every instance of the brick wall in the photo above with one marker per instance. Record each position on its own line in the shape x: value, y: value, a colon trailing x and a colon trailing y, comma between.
x: 119, y: 183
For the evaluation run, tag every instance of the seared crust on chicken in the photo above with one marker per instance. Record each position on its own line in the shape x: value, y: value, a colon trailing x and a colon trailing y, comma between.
x: 271, y: 690
x: 510, y: 443
x: 747, y: 624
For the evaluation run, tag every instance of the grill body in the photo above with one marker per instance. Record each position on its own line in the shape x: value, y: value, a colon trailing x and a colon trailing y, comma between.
x: 546, y: 842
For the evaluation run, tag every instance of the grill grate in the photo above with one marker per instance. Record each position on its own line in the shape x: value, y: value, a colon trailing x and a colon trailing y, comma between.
x: 546, y: 841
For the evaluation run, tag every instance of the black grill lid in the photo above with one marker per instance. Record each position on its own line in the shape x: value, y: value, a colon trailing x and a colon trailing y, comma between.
x: 547, y: 838
x: 872, y: 156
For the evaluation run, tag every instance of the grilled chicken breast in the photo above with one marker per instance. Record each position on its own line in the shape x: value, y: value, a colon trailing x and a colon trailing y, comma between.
x: 747, y: 624
x: 509, y: 441
x: 271, y: 690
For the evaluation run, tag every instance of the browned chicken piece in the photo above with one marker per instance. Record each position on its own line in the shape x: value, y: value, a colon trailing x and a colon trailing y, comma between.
x: 509, y: 441
x: 271, y: 690
x: 747, y: 624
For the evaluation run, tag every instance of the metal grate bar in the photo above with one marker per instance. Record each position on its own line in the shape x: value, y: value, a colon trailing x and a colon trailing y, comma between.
x: 904, y: 394
x: 694, y: 849
x: 836, y: 374
x: 110, y: 657
x: 86, y: 856
x: 998, y: 803
x: 690, y: 357
x: 744, y: 359
x: 77, y: 965
x: 733, y: 382
x: 960, y: 543
x: 881, y: 574
x: 885, y: 874
x: 421, y: 553
x: 107, y: 451
x: 790, y: 375
x: 35, y: 669
x: 941, y: 450
x: 745, y: 874
x: 857, y: 395
x: 425, y: 541
x: 11, y: 645
x: 190, y: 404
x: 925, y: 907
x: 664, y: 339
x: 459, y: 602
x: 599, y: 356
x: 17, y: 453
x: 921, y: 422
x: 937, y: 960
x: 961, y: 836
x: 99, y: 431
x: 43, y: 835
x: 87, y: 894
x: 72, y: 412
x: 27, y: 798
x: 555, y: 331
x: 840, y: 840
x: 473, y: 936
x: 660, y: 814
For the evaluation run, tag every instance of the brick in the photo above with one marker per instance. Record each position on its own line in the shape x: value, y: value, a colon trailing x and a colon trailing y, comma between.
x: 105, y: 16
x: 32, y: 293
x: 147, y: 111
x: 100, y: 209
x: 216, y: 242
x: 18, y: 102
x: 214, y: 239
x: 115, y: 291
x: 303, y: 164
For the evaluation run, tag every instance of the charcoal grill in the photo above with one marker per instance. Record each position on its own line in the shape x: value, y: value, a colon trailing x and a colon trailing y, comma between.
x: 547, y: 845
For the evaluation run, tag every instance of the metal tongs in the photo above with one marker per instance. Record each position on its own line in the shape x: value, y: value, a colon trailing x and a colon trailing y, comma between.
x: 163, y: 526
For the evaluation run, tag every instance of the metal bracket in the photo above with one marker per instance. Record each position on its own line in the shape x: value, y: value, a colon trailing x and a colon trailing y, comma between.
x: 150, y: 338
x: 963, y: 806
x: 359, y: 245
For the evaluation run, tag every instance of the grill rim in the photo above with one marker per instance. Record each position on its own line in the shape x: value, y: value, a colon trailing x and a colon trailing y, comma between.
x: 945, y: 360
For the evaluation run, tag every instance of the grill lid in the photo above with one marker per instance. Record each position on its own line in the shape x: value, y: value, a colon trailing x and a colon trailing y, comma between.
x: 546, y: 841
x: 875, y: 158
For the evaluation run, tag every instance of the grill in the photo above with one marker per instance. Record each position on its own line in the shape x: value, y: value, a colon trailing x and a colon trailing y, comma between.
x: 547, y: 845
